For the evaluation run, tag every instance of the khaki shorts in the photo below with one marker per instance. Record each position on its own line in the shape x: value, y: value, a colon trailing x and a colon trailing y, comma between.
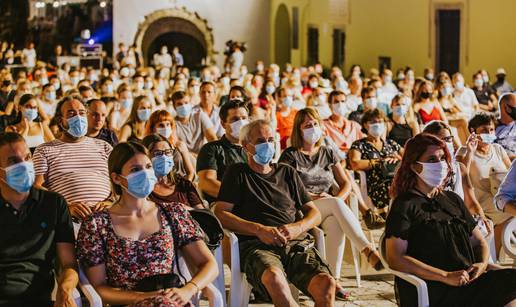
x: 299, y: 266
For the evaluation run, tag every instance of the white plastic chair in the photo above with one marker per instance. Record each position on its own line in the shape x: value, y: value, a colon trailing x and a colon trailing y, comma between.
x: 219, y: 281
x: 509, y: 239
x: 420, y: 284
x: 76, y: 296
x: 240, y: 289
x: 89, y: 292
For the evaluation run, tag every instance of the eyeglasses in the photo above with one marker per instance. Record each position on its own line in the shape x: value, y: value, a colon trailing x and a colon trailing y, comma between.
x: 168, y: 152
x: 448, y: 139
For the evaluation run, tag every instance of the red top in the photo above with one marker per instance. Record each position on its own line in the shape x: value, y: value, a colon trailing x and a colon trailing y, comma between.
x: 434, y: 115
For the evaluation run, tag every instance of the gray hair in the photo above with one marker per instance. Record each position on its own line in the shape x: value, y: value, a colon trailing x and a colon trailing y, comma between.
x: 245, y: 132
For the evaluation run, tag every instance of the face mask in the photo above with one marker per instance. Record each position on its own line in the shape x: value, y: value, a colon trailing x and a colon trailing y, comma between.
x: 75, y: 80
x: 124, y: 72
x: 485, y: 79
x: 342, y: 85
x: 387, y: 79
x: 312, y: 135
x: 433, y: 174
x: 376, y: 130
x: 340, y: 109
x: 270, y: 89
x: 149, y: 85
x: 77, y: 126
x: 512, y: 112
x: 500, y: 78
x: 429, y: 77
x: 140, y: 184
x: 109, y: 89
x: 127, y: 103
x: 371, y: 103
x: 259, y: 67
x: 459, y: 85
x: 184, y: 111
x: 236, y: 126
x: 314, y: 84
x: 401, y: 77
x: 425, y: 95
x: 51, y: 96
x: 225, y: 81
x: 164, y: 132
x: 447, y: 90
x: 30, y: 114
x: 144, y: 114
x: 43, y: 81
x: 162, y: 165
x: 322, y: 98
x: 400, y: 110
x: 140, y: 85
x: 479, y: 82
x: 20, y: 176
x: 264, y: 153
x: 196, y: 89
x: 57, y: 85
x: 287, y: 101
x: 451, y: 149
x: 488, y: 138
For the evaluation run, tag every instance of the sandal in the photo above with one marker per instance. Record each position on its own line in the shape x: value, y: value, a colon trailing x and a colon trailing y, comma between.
x: 378, y: 264
x: 342, y: 295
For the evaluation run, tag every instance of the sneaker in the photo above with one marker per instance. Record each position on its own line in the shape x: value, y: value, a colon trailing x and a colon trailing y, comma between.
x: 373, y: 220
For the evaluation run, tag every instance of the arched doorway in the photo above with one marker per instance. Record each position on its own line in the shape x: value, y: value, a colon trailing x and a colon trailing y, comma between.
x: 282, y: 36
x: 176, y: 27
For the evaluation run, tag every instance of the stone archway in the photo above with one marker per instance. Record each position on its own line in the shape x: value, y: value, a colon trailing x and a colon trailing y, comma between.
x: 176, y: 25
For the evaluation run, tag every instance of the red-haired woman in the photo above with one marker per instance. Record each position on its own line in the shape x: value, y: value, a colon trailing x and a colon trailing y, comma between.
x: 431, y: 234
x: 162, y: 123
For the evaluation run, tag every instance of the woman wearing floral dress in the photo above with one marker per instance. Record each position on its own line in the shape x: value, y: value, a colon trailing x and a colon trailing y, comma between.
x: 136, y: 238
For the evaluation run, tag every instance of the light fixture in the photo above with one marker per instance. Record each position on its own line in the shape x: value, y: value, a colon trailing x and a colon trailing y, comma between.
x: 55, y: 4
x: 39, y: 4
x: 91, y: 42
x: 102, y: 4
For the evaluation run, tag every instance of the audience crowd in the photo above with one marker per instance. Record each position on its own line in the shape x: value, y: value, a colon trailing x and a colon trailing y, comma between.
x: 103, y: 169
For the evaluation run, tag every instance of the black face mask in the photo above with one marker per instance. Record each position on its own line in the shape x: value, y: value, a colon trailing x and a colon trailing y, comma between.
x: 425, y: 95
x: 500, y: 78
x: 512, y: 112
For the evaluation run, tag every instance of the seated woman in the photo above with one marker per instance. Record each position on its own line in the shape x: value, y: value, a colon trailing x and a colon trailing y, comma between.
x: 402, y: 125
x: 170, y: 186
x: 162, y: 123
x: 319, y: 101
x: 30, y: 125
x: 135, y: 127
x: 319, y: 169
x: 452, y: 109
x: 426, y: 105
x: 377, y: 156
x: 488, y: 164
x: 284, y: 114
x: 136, y: 239
x: 431, y: 234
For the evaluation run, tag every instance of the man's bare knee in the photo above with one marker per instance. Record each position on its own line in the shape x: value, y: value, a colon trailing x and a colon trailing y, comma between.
x: 274, y: 277
x: 322, y: 288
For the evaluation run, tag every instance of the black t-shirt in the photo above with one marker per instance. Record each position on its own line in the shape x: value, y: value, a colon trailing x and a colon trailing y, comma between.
x: 28, y: 245
x: 483, y: 94
x: 271, y: 199
x: 437, y: 229
x: 219, y: 155
x: 108, y: 135
x: 316, y: 171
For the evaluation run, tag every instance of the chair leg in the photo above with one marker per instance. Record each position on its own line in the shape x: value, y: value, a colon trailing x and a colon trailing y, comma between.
x: 219, y: 281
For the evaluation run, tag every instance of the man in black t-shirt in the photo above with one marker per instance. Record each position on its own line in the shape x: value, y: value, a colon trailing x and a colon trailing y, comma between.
x: 216, y: 156
x: 260, y: 202
x: 36, y: 231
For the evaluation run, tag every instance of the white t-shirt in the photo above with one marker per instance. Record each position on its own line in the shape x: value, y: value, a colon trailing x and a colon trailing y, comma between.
x: 29, y: 57
x: 467, y: 101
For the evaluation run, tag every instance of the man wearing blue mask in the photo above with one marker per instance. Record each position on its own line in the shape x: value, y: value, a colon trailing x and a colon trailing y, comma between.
x: 36, y: 231
x: 74, y: 165
x: 193, y: 128
x: 260, y: 202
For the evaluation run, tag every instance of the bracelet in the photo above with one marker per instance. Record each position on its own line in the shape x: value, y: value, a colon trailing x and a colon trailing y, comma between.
x: 196, y: 286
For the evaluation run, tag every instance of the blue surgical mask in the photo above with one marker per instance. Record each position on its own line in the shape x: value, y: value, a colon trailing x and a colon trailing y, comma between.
x: 20, y: 177
x: 140, y: 184
x: 127, y: 103
x: 184, y: 111
x: 77, y: 126
x: 400, y: 110
x: 51, y: 95
x: 162, y: 165
x: 144, y: 114
x: 288, y: 101
x: 270, y: 89
x: 264, y: 153
x: 376, y: 129
x: 488, y: 138
x: 30, y: 114
x: 371, y: 103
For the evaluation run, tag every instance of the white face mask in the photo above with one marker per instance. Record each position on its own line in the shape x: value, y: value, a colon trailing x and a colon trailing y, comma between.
x: 312, y: 135
x: 451, y: 148
x: 371, y: 103
x: 236, y: 126
x: 459, y: 85
x: 164, y: 131
x: 479, y: 82
x: 377, y: 129
x: 488, y: 138
x: 434, y: 174
x: 314, y: 84
x: 340, y: 109
x: 322, y: 99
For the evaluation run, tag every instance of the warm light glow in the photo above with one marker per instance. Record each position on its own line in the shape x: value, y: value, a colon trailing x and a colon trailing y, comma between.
x: 55, y: 4
x: 102, y: 4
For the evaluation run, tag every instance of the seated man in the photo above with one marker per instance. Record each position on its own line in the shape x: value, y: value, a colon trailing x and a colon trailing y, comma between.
x: 74, y: 165
x: 260, y: 201
x: 36, y: 231
x: 192, y: 128
x: 506, y: 125
x: 215, y: 157
x: 505, y: 199
x: 97, y: 114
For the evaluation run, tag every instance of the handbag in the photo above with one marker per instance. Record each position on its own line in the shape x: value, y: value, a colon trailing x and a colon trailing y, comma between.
x: 210, y: 225
x: 389, y: 169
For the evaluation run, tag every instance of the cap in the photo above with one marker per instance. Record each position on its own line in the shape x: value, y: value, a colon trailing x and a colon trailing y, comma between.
x: 500, y: 71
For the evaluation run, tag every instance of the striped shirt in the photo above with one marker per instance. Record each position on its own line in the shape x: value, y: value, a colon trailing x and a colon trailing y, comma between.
x: 78, y: 171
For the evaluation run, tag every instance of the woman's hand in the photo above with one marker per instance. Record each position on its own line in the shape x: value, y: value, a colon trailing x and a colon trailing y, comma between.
x: 475, y: 270
x: 456, y: 278
x: 472, y: 142
x: 181, y: 296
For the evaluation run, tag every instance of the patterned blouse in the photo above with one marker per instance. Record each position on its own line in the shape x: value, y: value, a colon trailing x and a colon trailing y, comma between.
x: 127, y: 261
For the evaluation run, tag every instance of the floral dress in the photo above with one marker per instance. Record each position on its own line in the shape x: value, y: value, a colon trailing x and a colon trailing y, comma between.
x: 127, y: 261
x: 377, y: 184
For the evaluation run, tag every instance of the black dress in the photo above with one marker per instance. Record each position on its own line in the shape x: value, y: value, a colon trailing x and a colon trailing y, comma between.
x: 438, y: 233
x: 400, y: 133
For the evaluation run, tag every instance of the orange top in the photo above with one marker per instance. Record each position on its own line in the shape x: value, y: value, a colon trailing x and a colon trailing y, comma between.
x: 285, y: 123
